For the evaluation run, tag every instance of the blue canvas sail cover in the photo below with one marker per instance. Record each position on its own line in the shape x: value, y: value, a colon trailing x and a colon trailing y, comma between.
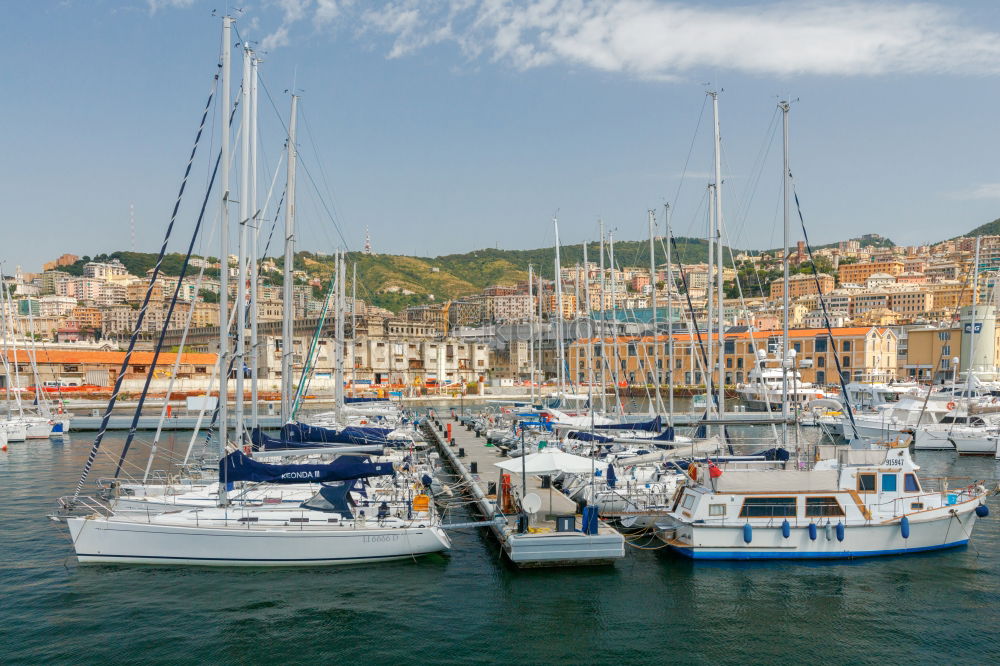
x: 262, y: 442
x: 238, y: 467
x: 589, y: 437
x: 349, y: 401
x: 302, y: 432
x: 653, y: 425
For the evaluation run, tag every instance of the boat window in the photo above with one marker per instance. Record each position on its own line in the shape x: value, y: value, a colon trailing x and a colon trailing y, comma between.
x: 754, y: 507
x: 823, y: 506
x: 917, y: 505
x: 888, y: 483
x: 688, y: 501
x: 866, y: 483
x: 910, y: 484
x: 716, y: 509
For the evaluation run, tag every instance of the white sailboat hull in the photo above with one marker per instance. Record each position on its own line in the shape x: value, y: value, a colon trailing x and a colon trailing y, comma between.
x: 117, y: 540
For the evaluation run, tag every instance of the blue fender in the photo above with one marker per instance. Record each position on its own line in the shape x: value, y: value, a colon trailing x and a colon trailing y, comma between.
x: 840, y: 531
x: 904, y: 527
x: 747, y: 533
x: 786, y: 529
x: 982, y: 510
x: 812, y: 531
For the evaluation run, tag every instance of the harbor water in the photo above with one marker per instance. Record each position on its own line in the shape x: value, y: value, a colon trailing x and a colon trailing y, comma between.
x: 471, y: 607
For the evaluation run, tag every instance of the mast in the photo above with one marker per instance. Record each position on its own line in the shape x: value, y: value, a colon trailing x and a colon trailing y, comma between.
x: 718, y: 262
x: 614, y: 322
x: 289, y: 305
x: 341, y: 338
x: 241, y: 285
x: 354, y: 323
x: 670, y: 315
x: 972, y: 334
x: 559, y: 320
x: 601, y: 331
x: 786, y: 192
x: 531, y: 333
x: 254, y: 232
x: 652, y: 301
x: 227, y: 23
x: 590, y: 325
x: 709, y: 305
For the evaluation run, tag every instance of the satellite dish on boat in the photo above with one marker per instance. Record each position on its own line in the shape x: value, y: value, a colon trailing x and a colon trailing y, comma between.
x: 531, y: 503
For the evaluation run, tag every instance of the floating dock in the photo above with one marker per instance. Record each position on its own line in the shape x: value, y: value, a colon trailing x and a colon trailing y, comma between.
x: 547, y: 541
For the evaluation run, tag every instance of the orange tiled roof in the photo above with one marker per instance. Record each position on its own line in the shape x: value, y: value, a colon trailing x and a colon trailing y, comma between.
x: 105, y: 357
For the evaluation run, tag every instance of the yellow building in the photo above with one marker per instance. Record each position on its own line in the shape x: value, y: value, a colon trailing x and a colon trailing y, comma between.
x: 858, y: 273
x: 863, y: 352
x: 803, y: 284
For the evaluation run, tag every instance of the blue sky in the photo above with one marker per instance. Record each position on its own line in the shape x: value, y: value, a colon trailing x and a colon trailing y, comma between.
x: 452, y: 125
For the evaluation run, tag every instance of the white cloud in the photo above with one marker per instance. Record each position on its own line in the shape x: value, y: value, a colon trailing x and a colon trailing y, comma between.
x: 664, y: 40
x: 157, y: 5
x: 981, y: 191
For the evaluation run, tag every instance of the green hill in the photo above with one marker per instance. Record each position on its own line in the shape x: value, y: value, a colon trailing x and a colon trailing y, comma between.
x: 397, y: 281
x: 988, y: 229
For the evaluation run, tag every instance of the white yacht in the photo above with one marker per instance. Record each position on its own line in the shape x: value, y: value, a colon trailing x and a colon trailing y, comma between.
x: 763, y: 391
x: 851, y: 503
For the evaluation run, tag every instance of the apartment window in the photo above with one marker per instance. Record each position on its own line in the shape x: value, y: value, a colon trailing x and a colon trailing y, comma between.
x: 624, y: 364
x: 944, y: 335
x: 820, y: 344
x: 71, y: 368
x: 739, y: 362
x: 631, y: 349
x: 823, y: 506
x: 845, y: 362
x: 820, y: 361
x: 846, y: 346
x: 730, y: 347
x: 797, y: 346
x: 944, y: 364
x: 729, y: 362
x: 757, y: 507
x: 946, y: 350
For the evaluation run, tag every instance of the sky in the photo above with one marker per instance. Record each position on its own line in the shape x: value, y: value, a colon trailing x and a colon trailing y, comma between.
x: 446, y: 126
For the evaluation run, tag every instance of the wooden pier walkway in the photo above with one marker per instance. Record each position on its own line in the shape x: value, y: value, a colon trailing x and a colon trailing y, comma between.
x: 544, y: 543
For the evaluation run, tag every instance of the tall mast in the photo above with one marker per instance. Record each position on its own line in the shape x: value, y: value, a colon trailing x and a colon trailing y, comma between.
x: 253, y: 259
x: 786, y: 192
x: 718, y: 262
x: 341, y: 338
x: 241, y: 285
x: 614, y: 323
x: 652, y: 302
x: 354, y: 321
x: 227, y: 24
x: 289, y: 305
x: 601, y: 331
x: 531, y: 333
x: 540, y: 336
x: 709, y: 295
x: 590, y: 324
x: 559, y: 316
x: 972, y: 334
x: 670, y: 315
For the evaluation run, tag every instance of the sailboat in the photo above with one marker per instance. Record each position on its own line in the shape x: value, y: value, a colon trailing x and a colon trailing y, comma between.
x: 336, y: 525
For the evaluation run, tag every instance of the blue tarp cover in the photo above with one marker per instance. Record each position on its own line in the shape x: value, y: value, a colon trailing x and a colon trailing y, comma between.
x: 302, y: 432
x: 238, y: 467
x: 654, y: 425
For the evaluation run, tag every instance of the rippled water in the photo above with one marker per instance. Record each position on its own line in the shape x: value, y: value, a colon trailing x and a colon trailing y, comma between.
x: 471, y: 607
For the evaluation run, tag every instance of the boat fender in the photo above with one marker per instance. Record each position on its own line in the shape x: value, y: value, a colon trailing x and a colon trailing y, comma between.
x: 982, y: 510
x: 747, y: 533
x: 829, y: 532
x: 786, y: 529
x: 904, y: 527
x: 812, y: 531
x: 840, y: 531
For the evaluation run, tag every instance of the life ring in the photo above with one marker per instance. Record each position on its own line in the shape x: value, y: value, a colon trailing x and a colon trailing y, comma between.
x: 950, y: 406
